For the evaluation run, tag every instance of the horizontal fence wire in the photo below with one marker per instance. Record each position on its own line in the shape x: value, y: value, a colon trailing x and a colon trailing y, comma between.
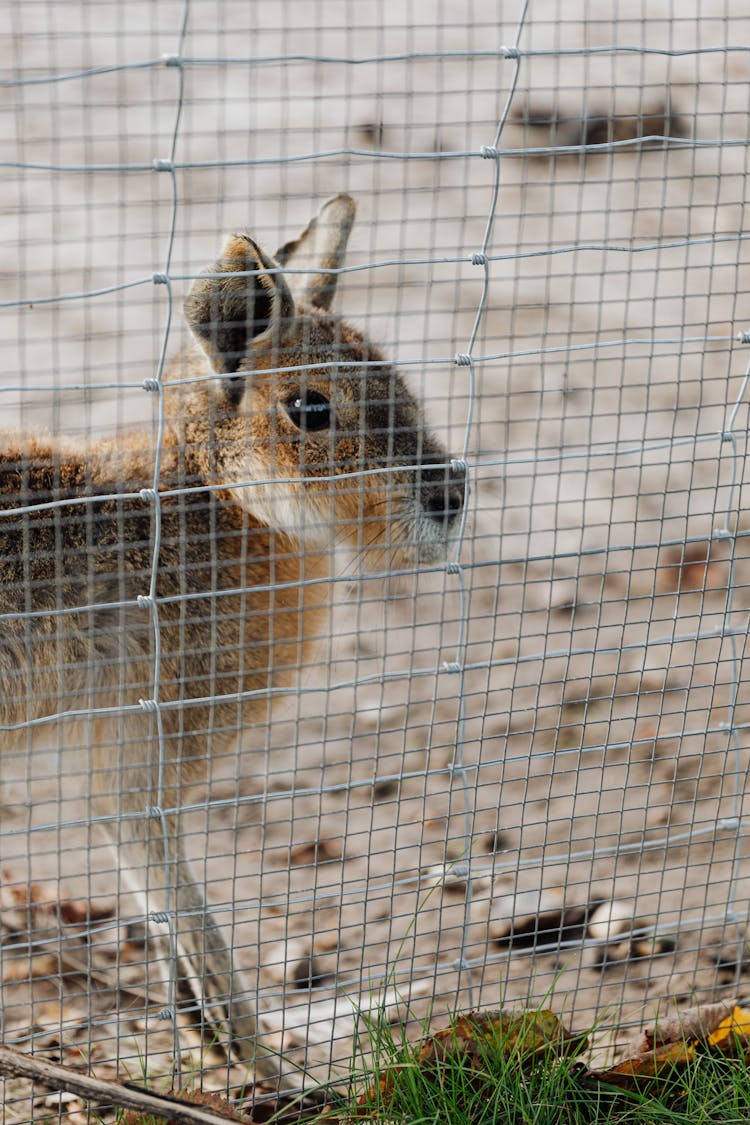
x: 510, y: 722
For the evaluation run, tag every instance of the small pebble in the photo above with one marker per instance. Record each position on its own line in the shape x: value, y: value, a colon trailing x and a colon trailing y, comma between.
x: 610, y: 920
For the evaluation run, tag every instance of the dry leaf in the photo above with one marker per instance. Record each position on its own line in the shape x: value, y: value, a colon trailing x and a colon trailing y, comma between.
x: 25, y: 969
x: 574, y: 130
x: 218, y: 1105
x: 645, y: 1068
x: 316, y: 851
x: 473, y: 1037
x: 21, y: 903
x: 672, y: 1043
x: 513, y: 1033
x: 690, y: 568
x: 83, y: 911
x: 733, y: 1033
x: 688, y: 1024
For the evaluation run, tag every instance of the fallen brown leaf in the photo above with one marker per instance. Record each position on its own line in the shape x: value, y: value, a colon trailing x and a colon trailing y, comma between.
x: 83, y: 911
x: 688, y: 1024
x: 219, y: 1105
x: 27, y: 968
x: 660, y: 1060
x: 316, y: 851
x: 513, y: 1033
x: 522, y: 1036
x: 687, y: 569
x: 672, y: 1043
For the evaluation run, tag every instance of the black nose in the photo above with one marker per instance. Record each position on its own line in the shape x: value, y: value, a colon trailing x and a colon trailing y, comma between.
x: 442, y: 492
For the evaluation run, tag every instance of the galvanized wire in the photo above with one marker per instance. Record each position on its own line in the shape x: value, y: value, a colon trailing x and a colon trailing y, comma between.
x: 460, y: 776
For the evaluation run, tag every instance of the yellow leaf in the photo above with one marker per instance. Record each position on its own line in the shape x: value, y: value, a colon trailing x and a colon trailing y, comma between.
x: 735, y: 1027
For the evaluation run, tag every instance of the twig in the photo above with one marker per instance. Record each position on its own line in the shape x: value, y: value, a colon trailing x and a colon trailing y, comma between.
x: 16, y: 1064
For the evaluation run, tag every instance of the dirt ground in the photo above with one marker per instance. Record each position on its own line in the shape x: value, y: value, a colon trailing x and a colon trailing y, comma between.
x: 407, y: 834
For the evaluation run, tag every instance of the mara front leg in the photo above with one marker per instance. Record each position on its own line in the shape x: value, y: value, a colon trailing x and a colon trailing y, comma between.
x: 146, y: 832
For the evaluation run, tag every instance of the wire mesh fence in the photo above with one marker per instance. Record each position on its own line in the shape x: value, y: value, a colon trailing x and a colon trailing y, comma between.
x: 511, y: 776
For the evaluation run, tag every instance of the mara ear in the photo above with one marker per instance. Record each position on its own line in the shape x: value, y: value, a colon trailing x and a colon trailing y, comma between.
x: 321, y: 247
x: 228, y: 314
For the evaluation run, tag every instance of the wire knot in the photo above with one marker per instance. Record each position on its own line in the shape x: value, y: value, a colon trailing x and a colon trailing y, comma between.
x: 160, y: 279
x: 150, y: 706
x: 162, y: 164
x: 171, y: 60
x: 165, y: 1014
x: 453, y: 568
x: 509, y: 52
x: 459, y: 465
x: 160, y: 917
x: 463, y: 360
x: 479, y: 259
x: 451, y: 666
x: 743, y: 337
x: 150, y: 384
x: 489, y: 152
x: 144, y: 601
x: 148, y: 494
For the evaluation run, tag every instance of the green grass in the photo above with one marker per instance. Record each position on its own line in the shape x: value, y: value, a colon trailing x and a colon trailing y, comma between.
x: 508, y: 1079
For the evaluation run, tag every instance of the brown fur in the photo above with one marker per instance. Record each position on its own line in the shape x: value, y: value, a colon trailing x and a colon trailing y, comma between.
x: 236, y: 619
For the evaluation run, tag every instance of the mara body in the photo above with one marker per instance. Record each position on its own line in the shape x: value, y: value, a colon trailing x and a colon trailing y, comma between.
x: 157, y: 623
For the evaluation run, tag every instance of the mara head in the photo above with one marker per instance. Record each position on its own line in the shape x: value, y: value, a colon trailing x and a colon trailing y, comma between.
x: 307, y: 424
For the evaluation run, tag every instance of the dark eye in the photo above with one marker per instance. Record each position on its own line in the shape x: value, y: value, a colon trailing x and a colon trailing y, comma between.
x: 309, y: 410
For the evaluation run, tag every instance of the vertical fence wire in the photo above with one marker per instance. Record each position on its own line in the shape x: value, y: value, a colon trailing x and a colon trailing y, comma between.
x: 726, y: 532
x: 149, y: 601
x: 458, y: 768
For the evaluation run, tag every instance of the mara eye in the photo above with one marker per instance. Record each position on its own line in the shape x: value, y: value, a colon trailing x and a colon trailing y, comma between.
x: 309, y: 410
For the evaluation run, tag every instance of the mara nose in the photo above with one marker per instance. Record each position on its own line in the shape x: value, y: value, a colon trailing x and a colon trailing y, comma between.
x: 443, y: 492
